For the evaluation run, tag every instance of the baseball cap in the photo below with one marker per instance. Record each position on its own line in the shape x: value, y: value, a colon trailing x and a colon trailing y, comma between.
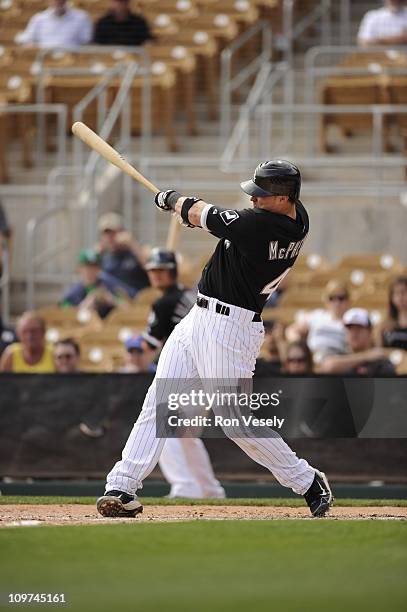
x: 89, y: 257
x: 110, y: 221
x: 134, y: 343
x: 357, y: 316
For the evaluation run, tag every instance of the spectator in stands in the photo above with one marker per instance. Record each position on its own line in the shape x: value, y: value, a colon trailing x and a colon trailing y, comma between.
x: 60, y: 25
x: 269, y: 363
x: 394, y: 332
x: 120, y: 26
x: 7, y: 336
x: 298, y: 359
x: 5, y: 235
x: 363, y: 359
x: 123, y: 258
x: 95, y: 290
x: 384, y: 26
x: 277, y: 294
x: 67, y: 355
x: 139, y: 356
x: 32, y: 353
x: 323, y: 329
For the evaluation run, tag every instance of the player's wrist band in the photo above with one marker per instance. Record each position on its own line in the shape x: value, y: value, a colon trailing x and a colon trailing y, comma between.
x: 186, y: 205
x: 172, y: 199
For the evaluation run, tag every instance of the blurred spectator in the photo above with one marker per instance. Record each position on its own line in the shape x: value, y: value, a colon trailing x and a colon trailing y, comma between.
x: 122, y: 257
x: 323, y: 329
x: 384, y: 26
x: 298, y: 359
x: 7, y: 336
x: 60, y: 25
x: 363, y: 359
x: 138, y: 356
x: 5, y: 233
x: 4, y: 226
x: 95, y: 291
x: 120, y: 26
x: 67, y: 356
x: 31, y: 354
x: 394, y: 332
x: 269, y: 363
x: 277, y: 294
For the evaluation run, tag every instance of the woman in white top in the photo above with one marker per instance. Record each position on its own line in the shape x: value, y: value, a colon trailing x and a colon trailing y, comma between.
x: 323, y: 328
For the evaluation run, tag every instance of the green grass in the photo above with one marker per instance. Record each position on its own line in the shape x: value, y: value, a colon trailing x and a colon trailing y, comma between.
x: 163, y: 501
x: 225, y: 566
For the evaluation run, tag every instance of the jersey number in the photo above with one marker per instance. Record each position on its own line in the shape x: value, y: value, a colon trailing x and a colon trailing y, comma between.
x: 272, y: 285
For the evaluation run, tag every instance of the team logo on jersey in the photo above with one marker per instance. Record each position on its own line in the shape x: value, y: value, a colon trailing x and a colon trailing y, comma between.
x: 227, y: 244
x: 228, y: 216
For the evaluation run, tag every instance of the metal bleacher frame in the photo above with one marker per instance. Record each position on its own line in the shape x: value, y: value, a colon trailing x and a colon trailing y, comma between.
x: 148, y: 163
x: 85, y: 166
x: 313, y: 72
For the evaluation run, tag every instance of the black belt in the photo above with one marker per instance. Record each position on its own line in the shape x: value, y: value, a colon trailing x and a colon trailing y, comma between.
x: 222, y: 309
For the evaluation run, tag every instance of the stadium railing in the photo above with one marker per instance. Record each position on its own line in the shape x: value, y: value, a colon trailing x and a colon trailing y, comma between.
x: 360, y: 62
x: 231, y: 83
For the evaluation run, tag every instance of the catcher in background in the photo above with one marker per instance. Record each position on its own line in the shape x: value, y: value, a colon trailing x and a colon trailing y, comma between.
x: 184, y: 462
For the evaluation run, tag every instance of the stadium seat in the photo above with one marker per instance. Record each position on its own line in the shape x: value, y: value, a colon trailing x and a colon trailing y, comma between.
x: 14, y: 89
x: 146, y: 297
x: 372, y: 262
x: 204, y: 47
x: 96, y: 359
x: 68, y: 321
x: 369, y: 90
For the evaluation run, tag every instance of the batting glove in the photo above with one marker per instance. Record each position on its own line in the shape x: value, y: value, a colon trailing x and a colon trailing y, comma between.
x: 166, y: 200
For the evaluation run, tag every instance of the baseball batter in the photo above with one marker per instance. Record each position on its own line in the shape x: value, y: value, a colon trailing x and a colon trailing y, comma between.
x: 221, y: 335
x: 184, y: 462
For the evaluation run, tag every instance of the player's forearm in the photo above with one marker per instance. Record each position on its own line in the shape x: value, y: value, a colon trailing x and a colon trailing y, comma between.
x: 191, y: 209
x: 194, y: 213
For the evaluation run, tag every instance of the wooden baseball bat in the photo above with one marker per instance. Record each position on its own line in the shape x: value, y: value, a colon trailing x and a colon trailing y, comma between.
x: 95, y: 142
x: 104, y: 149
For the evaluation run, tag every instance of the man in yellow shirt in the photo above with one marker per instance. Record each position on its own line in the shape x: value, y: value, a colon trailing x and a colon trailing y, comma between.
x: 31, y: 354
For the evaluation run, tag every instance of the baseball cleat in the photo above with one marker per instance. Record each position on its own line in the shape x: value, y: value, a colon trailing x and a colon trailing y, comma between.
x: 319, y: 496
x: 117, y: 504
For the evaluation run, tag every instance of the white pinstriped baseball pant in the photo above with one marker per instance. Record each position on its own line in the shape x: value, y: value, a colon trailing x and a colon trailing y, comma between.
x: 207, y: 345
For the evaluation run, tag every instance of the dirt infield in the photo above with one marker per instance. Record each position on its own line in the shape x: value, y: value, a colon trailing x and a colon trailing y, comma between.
x: 71, y: 514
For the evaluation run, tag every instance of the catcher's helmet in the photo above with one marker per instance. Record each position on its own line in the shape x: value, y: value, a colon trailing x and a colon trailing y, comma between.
x: 275, y: 177
x: 162, y: 259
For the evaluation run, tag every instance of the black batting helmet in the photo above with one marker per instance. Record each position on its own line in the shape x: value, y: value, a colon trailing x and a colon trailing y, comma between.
x: 162, y: 259
x: 275, y: 177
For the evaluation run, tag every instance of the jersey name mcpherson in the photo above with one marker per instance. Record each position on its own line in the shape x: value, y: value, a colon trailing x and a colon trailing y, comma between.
x: 275, y: 252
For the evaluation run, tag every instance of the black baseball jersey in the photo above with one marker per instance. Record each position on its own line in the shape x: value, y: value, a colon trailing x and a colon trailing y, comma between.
x: 166, y: 312
x: 256, y: 250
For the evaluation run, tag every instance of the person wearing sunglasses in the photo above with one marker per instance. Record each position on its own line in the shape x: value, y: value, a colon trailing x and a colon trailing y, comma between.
x: 323, y: 329
x: 394, y: 330
x: 298, y: 359
x: 139, y: 356
x: 67, y: 356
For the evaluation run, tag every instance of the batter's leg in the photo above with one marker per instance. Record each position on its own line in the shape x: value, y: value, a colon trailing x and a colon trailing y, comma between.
x: 143, y: 447
x: 226, y: 349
